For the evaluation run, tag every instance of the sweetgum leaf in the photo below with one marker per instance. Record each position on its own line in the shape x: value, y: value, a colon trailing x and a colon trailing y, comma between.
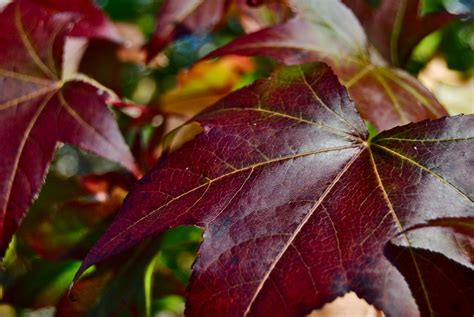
x: 38, y: 109
x: 453, y: 237
x: 327, y: 30
x: 452, y: 282
x: 395, y: 27
x: 296, y: 201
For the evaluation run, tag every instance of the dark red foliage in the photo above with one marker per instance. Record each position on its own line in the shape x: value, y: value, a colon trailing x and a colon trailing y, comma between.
x: 91, y: 20
x: 328, y: 31
x: 445, y: 265
x: 38, y: 109
x: 254, y: 3
x: 396, y: 26
x: 298, y: 204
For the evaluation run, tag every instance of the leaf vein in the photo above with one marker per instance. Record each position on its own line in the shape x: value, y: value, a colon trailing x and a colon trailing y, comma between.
x: 209, y: 182
x: 319, y: 125
x: 21, y: 147
x: 400, y: 227
x: 299, y: 228
x: 29, y: 46
x: 413, y: 162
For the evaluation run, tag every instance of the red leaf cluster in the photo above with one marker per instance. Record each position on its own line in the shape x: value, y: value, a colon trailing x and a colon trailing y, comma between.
x: 298, y: 204
x: 38, y: 109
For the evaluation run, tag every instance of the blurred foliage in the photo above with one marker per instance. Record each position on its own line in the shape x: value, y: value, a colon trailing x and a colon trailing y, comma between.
x: 141, y: 12
x: 455, y: 43
x: 82, y: 192
x: 453, y: 6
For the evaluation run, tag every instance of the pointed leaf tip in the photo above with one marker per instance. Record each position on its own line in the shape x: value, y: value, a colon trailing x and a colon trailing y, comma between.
x: 297, y: 205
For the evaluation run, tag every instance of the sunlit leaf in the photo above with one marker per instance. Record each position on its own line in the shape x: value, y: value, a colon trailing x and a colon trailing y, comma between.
x: 204, y: 84
x: 298, y: 203
x: 327, y: 30
x: 395, y: 27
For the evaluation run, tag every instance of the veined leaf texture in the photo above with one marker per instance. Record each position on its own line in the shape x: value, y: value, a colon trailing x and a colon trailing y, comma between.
x: 300, y: 206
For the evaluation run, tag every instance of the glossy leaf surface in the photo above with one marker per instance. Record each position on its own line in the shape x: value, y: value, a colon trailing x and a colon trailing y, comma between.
x: 453, y: 237
x: 327, y: 30
x: 297, y: 203
x: 38, y: 109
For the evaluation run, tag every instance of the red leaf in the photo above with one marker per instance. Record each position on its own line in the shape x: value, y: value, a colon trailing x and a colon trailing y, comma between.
x: 91, y: 21
x: 326, y: 30
x: 38, y: 109
x: 296, y: 202
x: 396, y: 27
x: 198, y: 16
x: 452, y: 237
